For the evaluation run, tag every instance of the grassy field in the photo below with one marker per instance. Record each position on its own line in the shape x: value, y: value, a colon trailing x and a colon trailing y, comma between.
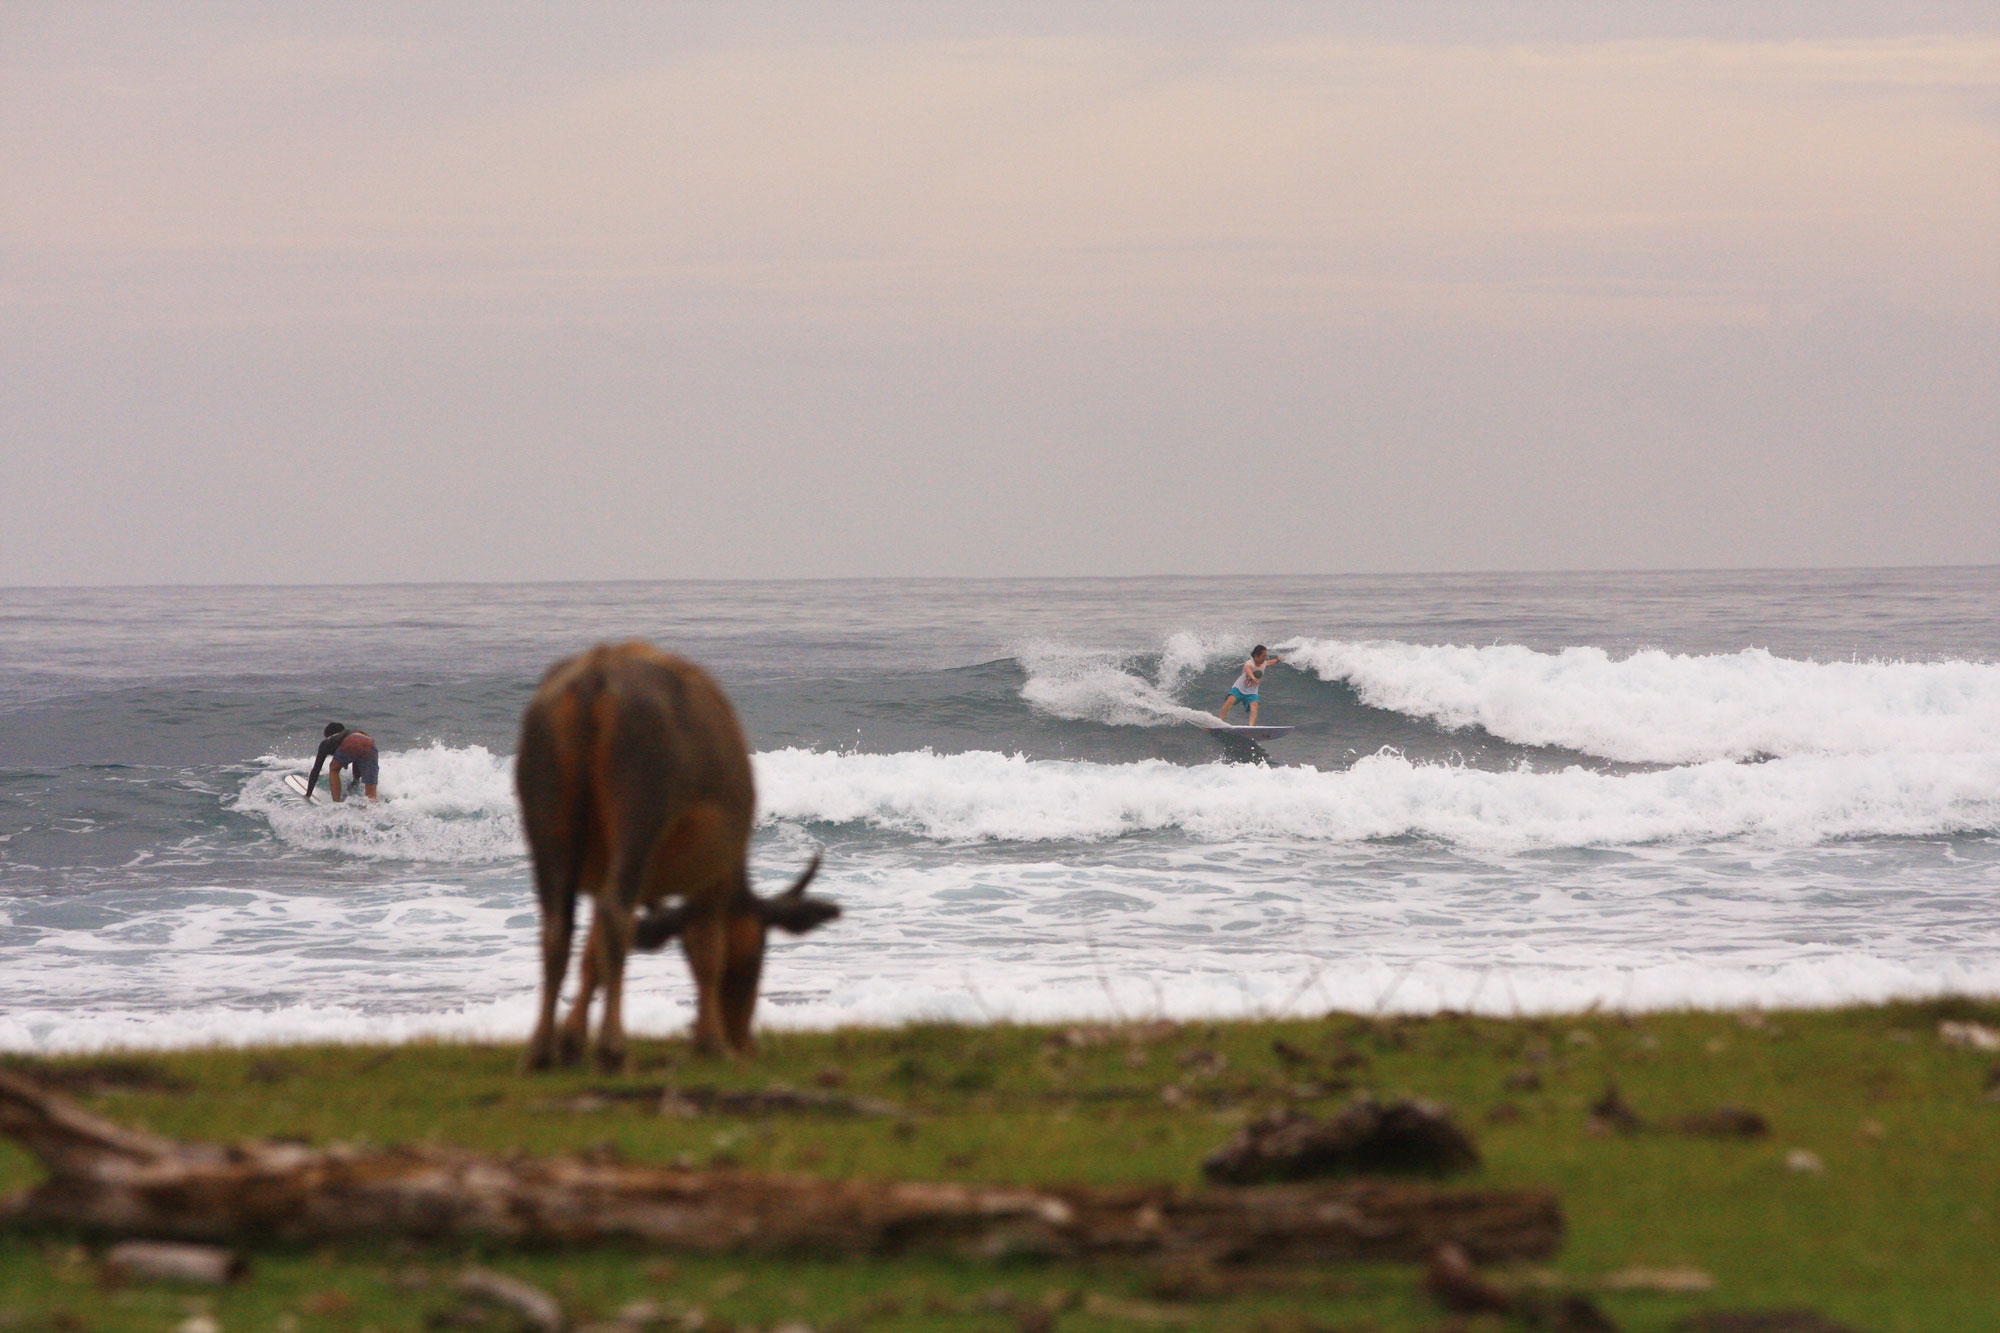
x: 1875, y: 1198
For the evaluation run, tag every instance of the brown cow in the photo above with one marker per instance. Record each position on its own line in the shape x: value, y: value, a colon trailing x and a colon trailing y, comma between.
x: 635, y: 788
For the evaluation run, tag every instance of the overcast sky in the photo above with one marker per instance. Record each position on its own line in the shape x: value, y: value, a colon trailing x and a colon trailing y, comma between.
x: 326, y: 292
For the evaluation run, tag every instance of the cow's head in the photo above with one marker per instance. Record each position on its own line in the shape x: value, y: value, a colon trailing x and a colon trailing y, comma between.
x: 745, y: 922
x: 794, y: 911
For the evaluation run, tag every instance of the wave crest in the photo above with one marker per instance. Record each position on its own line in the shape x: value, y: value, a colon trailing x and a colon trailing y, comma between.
x: 1670, y: 708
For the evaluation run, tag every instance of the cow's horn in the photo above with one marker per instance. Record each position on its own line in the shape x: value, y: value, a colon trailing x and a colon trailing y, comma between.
x: 799, y: 884
x: 793, y: 911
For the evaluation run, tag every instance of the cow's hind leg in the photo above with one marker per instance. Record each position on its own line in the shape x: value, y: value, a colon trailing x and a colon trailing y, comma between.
x: 556, y: 885
x: 557, y: 830
x: 632, y: 861
x: 575, y: 1031
x: 558, y: 923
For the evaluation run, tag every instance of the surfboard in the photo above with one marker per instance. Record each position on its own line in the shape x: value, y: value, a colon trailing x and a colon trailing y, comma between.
x: 297, y: 784
x: 1249, y: 733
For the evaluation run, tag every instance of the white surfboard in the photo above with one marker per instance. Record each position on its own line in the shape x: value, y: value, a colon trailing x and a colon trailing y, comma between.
x: 297, y: 784
x: 1248, y: 733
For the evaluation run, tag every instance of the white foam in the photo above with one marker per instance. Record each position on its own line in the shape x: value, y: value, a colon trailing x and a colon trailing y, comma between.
x: 1280, y: 987
x: 1656, y: 707
x: 981, y: 795
x: 1125, y: 928
x: 458, y: 805
x: 439, y: 803
x: 1087, y: 686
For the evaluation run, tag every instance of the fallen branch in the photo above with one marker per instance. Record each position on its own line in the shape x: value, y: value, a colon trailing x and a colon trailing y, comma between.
x: 107, y: 1179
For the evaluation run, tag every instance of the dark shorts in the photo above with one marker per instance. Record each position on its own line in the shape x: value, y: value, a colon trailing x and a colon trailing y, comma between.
x: 363, y: 767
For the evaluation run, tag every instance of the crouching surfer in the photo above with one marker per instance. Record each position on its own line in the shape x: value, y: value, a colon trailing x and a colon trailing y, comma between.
x: 350, y: 749
x: 1247, y: 681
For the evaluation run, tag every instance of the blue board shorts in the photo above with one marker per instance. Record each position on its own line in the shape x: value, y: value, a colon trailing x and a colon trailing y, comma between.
x: 1238, y: 694
x: 364, y: 768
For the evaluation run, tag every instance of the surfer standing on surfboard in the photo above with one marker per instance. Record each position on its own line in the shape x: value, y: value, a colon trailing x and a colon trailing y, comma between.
x: 1247, y: 682
x: 355, y: 749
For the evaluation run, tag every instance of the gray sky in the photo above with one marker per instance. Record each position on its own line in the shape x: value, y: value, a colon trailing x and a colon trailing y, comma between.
x: 321, y: 292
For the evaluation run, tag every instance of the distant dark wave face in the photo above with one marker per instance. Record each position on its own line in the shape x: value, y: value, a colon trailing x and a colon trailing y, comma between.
x: 1050, y: 703
x: 1537, y: 792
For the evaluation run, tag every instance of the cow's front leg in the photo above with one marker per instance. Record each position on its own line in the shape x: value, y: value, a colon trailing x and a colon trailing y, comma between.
x: 743, y: 964
x: 707, y: 944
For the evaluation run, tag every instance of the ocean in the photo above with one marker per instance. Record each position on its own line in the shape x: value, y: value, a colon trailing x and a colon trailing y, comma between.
x: 1504, y: 793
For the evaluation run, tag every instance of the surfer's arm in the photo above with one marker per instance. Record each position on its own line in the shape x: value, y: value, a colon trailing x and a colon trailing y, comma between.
x: 326, y: 748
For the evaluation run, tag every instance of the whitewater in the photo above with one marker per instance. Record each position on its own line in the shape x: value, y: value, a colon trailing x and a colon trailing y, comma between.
x: 1504, y: 793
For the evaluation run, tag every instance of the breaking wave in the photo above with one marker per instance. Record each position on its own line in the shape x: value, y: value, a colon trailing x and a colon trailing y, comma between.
x: 1670, y: 708
x: 986, y: 796
x: 440, y: 803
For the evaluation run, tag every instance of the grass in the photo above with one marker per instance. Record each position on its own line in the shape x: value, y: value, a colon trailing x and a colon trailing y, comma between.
x: 1895, y: 1235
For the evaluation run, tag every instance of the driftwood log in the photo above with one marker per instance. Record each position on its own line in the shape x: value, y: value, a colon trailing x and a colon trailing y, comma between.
x: 109, y: 1180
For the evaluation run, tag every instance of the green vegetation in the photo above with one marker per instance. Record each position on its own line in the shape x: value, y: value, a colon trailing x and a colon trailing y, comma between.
x: 1895, y: 1232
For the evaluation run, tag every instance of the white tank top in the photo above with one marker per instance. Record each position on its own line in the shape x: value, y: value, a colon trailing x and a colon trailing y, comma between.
x: 1244, y: 683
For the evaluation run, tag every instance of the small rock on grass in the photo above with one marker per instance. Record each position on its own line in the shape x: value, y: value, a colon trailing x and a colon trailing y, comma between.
x: 1724, y: 1122
x: 535, y: 1306
x: 1289, y: 1053
x: 1611, y: 1114
x: 161, y: 1261
x: 1667, y: 1281
x: 1401, y: 1137
x: 1760, y: 1321
x: 1973, y: 1036
x: 1804, y: 1162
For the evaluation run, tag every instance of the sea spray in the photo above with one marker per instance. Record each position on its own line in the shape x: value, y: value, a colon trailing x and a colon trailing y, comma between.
x: 1110, y: 688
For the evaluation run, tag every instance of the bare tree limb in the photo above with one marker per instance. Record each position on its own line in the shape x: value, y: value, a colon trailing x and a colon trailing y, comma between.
x: 116, y: 1182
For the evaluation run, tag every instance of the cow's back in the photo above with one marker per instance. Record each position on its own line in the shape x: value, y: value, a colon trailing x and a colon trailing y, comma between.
x: 620, y: 728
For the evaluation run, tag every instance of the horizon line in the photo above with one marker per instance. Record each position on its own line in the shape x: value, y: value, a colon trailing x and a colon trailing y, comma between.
x: 1005, y: 578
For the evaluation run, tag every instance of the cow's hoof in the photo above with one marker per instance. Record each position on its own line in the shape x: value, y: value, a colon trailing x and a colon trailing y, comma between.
x: 569, y: 1049
x: 540, y: 1053
x: 611, y: 1062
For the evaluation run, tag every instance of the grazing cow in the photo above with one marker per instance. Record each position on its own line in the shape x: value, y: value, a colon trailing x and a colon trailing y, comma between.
x: 635, y: 789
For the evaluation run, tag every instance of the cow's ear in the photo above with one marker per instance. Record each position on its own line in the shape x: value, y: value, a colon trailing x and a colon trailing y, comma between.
x: 796, y: 913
